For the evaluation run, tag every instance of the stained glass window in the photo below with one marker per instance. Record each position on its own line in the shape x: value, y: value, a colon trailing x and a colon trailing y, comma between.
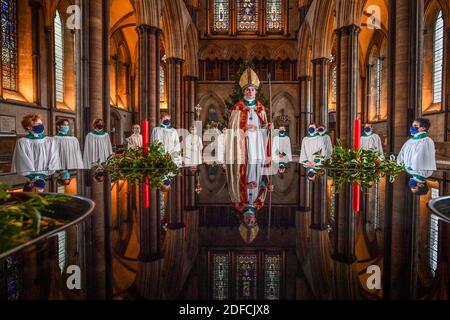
x: 438, y: 58
x: 221, y: 270
x: 378, y: 83
x: 246, y: 277
x: 8, y: 35
x: 248, y: 15
x: 162, y: 93
x: 272, y: 275
x: 59, y: 57
x: 221, y: 15
x: 333, y: 84
x: 273, y: 15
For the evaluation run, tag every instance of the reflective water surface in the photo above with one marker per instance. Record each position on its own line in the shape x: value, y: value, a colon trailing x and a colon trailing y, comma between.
x: 216, y: 232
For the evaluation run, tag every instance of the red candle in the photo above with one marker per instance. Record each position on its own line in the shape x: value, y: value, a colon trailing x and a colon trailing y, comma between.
x: 145, y: 135
x: 146, y: 194
x: 357, y: 134
x: 356, y: 145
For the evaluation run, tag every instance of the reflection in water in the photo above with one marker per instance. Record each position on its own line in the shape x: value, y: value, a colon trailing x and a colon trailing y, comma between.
x: 214, y: 244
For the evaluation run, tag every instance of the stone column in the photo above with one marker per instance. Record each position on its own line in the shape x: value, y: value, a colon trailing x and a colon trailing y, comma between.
x: 347, y: 62
x: 175, y: 90
x: 304, y: 94
x: 148, y: 73
x: 190, y: 99
x: 176, y: 204
x: 405, y: 46
x: 51, y: 81
x: 36, y: 51
x: 320, y: 85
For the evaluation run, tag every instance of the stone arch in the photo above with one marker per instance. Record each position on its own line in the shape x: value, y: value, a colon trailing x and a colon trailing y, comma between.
x: 148, y: 12
x: 211, y: 52
x: 191, y: 51
x: 260, y: 52
x: 284, y: 104
x: 172, y: 26
x: 211, y: 99
x: 304, y: 51
x: 235, y: 52
x: 322, y: 37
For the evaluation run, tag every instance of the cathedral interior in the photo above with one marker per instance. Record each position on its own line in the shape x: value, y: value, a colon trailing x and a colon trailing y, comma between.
x: 384, y: 62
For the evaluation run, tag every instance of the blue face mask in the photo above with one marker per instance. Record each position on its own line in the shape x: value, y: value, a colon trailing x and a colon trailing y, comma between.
x: 367, y: 130
x: 39, y: 128
x: 412, y: 183
x: 311, y: 174
x: 64, y: 129
x: 167, y: 122
x: 311, y: 130
x: 413, y: 130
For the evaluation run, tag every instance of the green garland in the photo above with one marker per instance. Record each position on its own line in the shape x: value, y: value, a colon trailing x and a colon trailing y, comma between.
x: 23, y: 218
x: 364, y: 167
x: 134, y: 164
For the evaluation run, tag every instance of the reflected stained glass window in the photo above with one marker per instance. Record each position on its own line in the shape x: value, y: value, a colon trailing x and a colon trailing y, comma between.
x: 438, y: 58
x: 59, y: 57
x: 248, y: 15
x: 273, y: 16
x: 221, y: 15
x: 13, y: 277
x: 221, y: 276
x: 8, y: 35
x: 246, y: 288
x: 272, y: 275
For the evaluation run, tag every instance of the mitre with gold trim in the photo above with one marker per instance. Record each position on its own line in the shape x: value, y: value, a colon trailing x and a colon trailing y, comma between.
x: 249, y: 78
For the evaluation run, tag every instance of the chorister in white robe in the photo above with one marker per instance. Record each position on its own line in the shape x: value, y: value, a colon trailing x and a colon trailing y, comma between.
x: 372, y: 142
x: 192, y: 152
x: 171, y: 142
x: 328, y: 146
x: 220, y: 148
x: 35, y: 154
x: 313, y: 149
x: 281, y: 149
x: 69, y: 152
x: 418, y: 153
x: 134, y: 141
x: 97, y: 148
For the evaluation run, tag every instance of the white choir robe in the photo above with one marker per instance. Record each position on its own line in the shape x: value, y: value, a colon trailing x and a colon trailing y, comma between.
x: 281, y: 145
x: 171, y: 142
x: 312, y: 145
x: 256, y: 140
x: 69, y: 152
x: 96, y: 148
x: 193, y: 147
x: 372, y: 142
x: 328, y: 146
x: 134, y: 141
x: 35, y: 156
x: 220, y: 148
x: 418, y: 154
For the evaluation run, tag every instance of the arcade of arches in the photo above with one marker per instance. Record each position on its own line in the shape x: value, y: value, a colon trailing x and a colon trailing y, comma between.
x: 331, y: 61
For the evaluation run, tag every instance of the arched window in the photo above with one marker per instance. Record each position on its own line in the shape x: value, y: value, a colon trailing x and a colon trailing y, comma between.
x: 274, y: 15
x: 438, y: 57
x: 221, y: 15
x: 59, y: 57
x: 162, y: 83
x: 334, y: 85
x: 247, y: 16
x: 8, y: 36
x: 377, y: 74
